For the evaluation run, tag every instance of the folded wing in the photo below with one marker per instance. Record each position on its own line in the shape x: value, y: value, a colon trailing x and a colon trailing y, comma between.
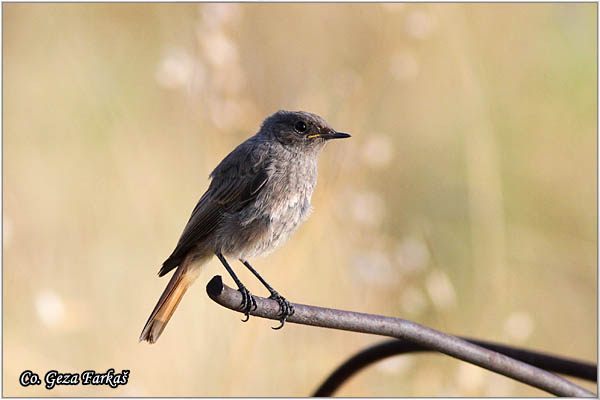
x: 237, y: 180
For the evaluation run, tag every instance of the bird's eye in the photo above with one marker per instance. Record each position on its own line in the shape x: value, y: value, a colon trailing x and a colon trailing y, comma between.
x: 300, y: 127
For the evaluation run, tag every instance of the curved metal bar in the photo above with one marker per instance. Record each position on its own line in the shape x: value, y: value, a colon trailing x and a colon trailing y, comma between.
x: 402, y: 329
x: 390, y: 348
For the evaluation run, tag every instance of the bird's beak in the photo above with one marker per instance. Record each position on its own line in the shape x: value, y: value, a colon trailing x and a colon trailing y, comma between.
x: 330, y: 135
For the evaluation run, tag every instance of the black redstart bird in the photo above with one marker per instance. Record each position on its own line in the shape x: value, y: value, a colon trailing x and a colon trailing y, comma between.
x: 259, y: 194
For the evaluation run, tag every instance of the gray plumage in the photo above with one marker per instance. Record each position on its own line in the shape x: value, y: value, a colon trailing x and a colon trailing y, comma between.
x: 259, y: 194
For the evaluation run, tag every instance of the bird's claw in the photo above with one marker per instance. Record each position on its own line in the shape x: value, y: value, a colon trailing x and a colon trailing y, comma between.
x: 285, y: 308
x: 248, y: 302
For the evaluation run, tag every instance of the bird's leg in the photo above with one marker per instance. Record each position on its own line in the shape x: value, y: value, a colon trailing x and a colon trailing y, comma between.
x: 285, y: 307
x: 248, y: 302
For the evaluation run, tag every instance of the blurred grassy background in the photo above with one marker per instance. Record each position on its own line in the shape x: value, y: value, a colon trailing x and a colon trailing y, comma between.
x: 465, y: 200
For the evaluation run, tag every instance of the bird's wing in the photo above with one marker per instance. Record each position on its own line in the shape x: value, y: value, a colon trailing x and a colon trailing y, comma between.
x: 236, y: 181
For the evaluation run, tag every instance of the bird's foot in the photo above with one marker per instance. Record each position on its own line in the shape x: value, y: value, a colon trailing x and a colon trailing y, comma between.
x: 285, y: 308
x: 248, y: 303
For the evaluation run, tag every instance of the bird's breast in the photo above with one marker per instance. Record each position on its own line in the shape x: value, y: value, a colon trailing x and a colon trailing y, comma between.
x: 281, y: 206
x: 289, y: 193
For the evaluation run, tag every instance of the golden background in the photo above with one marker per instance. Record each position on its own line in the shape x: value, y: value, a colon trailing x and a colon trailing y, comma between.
x: 465, y: 200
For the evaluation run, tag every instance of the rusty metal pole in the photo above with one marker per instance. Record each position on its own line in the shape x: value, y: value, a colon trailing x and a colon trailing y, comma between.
x: 402, y: 329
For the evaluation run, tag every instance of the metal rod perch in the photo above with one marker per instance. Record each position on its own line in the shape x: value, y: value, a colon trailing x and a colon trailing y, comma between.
x: 402, y: 329
x: 394, y: 347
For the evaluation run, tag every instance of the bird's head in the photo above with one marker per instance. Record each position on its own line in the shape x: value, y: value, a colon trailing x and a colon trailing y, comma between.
x: 299, y: 130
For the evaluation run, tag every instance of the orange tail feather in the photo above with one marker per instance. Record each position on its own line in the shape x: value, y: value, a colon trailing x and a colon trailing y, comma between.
x: 183, y: 277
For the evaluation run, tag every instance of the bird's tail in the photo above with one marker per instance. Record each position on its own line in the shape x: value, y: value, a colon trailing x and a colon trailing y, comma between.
x: 183, y: 277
